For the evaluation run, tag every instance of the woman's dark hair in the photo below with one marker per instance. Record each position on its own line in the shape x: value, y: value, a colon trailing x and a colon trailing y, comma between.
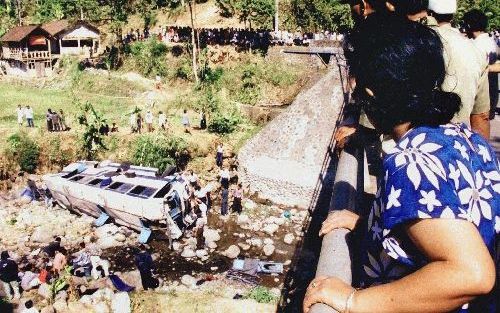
x: 402, y: 63
x: 475, y: 20
x: 4, y: 255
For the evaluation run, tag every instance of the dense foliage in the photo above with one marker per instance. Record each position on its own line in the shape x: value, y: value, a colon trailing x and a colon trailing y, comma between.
x: 317, y: 15
x: 149, y: 57
x: 257, y: 13
x: 24, y: 150
x: 224, y: 124
x: 160, y: 151
x: 92, y: 141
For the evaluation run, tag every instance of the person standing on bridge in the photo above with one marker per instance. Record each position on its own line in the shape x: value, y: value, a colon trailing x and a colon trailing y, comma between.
x: 429, y: 241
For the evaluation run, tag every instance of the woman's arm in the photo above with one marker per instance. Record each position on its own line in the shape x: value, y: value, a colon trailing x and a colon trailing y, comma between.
x: 460, y: 268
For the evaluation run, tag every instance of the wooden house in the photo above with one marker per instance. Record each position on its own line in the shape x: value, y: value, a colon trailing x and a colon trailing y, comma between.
x: 26, y: 51
x: 33, y: 50
x: 73, y: 38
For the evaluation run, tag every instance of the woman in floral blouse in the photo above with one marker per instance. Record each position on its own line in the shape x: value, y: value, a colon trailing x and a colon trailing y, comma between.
x: 429, y: 240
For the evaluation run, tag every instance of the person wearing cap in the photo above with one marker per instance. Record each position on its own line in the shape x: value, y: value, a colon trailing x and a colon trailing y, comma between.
x: 467, y: 70
x: 475, y: 24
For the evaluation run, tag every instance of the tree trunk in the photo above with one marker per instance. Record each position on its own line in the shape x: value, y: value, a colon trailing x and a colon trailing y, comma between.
x: 81, y: 13
x: 18, y: 7
x: 193, y: 43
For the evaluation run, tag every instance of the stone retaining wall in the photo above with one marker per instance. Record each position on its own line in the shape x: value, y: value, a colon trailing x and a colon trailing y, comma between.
x: 283, y: 162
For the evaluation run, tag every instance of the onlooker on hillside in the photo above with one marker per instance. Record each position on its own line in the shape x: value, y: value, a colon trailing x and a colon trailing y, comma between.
x: 224, y: 178
x: 219, y: 157
x: 9, y: 275
x: 139, y: 122
x: 203, y: 120
x: 224, y: 201
x: 476, y: 23
x: 20, y: 115
x: 28, y: 112
x: 149, y: 118
x: 237, y: 196
x: 48, y: 119
x: 114, y: 128
x: 133, y: 122
x: 62, y: 121
x: 185, y: 121
x: 56, y: 121
x: 162, y: 120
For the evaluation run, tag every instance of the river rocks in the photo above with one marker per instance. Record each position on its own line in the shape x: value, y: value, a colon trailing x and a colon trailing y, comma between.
x: 211, y: 234
x: 44, y: 291
x: 192, y: 242
x: 42, y: 234
x: 243, y: 220
x: 268, y: 250
x: 120, y: 303
x: 249, y: 204
x: 289, y: 238
x: 270, y: 229
x: 211, y: 244
x: 176, y: 246
x: 244, y: 246
x: 60, y: 306
x: 188, y: 281
x: 188, y: 252
x: 48, y: 309
x: 232, y: 252
x: 256, y: 242
x: 268, y: 241
x: 201, y: 253
x: 120, y: 237
x: 100, y: 307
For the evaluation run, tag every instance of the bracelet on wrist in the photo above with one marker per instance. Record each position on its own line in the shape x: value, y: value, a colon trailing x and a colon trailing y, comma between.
x: 348, y: 303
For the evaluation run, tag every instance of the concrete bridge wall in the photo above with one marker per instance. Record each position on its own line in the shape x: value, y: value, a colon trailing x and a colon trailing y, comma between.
x: 284, y: 161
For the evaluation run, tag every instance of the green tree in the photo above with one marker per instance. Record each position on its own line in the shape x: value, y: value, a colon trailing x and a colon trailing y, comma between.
x: 316, y: 15
x: 490, y: 7
x: 257, y: 13
x: 92, y: 141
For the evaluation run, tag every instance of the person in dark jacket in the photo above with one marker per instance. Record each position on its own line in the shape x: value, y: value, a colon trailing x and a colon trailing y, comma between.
x: 9, y: 275
x: 144, y: 263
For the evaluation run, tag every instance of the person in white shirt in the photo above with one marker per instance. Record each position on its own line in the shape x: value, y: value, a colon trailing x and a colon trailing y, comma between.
x: 20, y: 115
x: 133, y: 122
x: 28, y: 113
x: 162, y: 120
x: 476, y: 23
x: 220, y: 155
x: 149, y: 120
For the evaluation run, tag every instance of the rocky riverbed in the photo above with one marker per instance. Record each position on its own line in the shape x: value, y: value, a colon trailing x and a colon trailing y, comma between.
x: 193, y: 268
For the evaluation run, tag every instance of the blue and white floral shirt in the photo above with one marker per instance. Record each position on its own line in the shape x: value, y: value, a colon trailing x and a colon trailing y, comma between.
x: 444, y: 172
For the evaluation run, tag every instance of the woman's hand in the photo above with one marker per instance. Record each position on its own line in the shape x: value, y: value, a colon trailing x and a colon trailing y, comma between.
x: 328, y: 290
x: 339, y: 219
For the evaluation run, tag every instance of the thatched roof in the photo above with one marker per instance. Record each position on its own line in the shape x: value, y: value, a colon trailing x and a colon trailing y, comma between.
x: 18, y: 33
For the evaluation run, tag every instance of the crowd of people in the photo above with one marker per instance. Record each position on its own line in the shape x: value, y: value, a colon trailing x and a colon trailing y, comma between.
x: 429, y: 242
x: 137, y: 121
x: 245, y: 38
x: 56, y: 122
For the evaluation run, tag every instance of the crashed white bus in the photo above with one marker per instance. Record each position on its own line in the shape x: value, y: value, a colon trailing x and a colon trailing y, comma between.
x: 133, y: 196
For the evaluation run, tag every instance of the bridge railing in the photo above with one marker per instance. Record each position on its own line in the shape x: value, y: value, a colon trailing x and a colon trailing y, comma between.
x: 336, y: 253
